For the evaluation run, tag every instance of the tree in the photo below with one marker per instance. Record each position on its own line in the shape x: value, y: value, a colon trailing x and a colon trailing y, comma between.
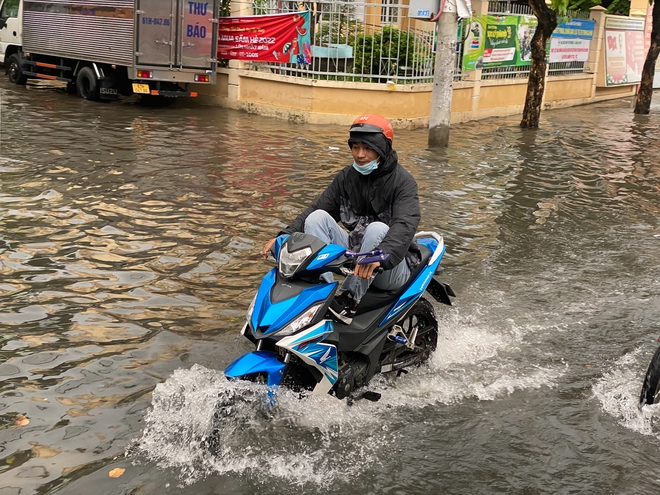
x: 643, y: 103
x: 547, y: 22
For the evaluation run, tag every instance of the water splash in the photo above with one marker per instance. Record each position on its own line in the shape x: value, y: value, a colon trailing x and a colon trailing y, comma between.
x: 618, y: 392
x: 315, y: 439
x: 319, y: 440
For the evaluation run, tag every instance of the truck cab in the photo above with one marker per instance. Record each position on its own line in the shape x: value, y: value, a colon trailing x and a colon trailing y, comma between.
x: 11, y: 27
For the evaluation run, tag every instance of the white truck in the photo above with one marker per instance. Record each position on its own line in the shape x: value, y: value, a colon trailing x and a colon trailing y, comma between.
x: 106, y: 48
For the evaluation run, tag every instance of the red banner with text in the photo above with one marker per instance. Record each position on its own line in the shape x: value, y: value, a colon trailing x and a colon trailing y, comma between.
x: 266, y: 38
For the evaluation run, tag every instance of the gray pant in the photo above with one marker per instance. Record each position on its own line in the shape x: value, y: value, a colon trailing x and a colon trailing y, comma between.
x: 321, y: 225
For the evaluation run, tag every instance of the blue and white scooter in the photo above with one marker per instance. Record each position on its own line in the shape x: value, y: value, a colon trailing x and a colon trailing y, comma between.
x: 298, y: 346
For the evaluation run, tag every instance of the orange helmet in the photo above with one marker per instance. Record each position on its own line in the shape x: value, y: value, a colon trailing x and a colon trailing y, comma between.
x: 372, y: 123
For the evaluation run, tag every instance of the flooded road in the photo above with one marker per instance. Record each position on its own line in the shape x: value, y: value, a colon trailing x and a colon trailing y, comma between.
x: 129, y: 241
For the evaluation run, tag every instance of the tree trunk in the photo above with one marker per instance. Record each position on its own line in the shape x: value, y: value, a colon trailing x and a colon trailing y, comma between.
x: 643, y: 103
x: 547, y: 19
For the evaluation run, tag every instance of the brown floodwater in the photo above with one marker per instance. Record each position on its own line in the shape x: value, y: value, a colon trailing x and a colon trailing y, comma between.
x: 129, y: 253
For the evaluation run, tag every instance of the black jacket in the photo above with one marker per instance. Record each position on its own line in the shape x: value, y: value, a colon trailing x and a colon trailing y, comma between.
x: 388, y: 195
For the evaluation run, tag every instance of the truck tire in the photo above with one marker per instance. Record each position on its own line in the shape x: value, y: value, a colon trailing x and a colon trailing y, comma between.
x: 14, y: 72
x: 87, y: 84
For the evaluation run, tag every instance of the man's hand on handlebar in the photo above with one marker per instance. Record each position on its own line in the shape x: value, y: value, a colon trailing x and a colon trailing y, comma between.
x: 268, y: 247
x: 365, y: 271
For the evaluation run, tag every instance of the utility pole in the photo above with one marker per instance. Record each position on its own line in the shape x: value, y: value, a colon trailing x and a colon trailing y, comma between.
x: 443, y: 77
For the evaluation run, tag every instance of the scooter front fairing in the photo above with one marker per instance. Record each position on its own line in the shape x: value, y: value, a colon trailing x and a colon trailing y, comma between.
x: 258, y: 362
x: 271, y: 317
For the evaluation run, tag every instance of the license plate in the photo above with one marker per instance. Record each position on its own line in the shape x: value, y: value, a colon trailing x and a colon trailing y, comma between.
x: 142, y: 89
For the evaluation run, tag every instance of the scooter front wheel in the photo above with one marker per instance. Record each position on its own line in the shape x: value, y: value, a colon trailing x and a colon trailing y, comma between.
x: 651, y: 387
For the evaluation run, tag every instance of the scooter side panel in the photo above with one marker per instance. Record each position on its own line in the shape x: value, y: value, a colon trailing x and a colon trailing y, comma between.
x: 415, y: 289
x: 263, y: 296
x: 257, y: 362
x: 278, y: 245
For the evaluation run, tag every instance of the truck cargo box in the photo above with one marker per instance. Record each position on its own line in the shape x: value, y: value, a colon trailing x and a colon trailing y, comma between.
x: 172, y: 40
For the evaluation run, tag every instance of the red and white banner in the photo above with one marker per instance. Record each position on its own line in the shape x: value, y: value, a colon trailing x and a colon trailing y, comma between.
x: 569, y: 49
x: 624, y: 50
x: 266, y: 38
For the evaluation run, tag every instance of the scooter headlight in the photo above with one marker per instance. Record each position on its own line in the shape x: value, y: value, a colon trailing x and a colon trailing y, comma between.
x: 301, y: 322
x: 291, y: 261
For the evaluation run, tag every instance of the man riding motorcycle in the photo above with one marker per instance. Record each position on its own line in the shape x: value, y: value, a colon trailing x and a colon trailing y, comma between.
x: 376, y: 200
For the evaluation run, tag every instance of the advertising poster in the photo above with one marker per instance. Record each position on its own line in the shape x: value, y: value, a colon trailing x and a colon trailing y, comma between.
x: 497, y: 41
x: 473, y: 46
x: 624, y: 50
x: 266, y: 38
x: 570, y: 41
x: 526, y: 29
x: 500, y: 42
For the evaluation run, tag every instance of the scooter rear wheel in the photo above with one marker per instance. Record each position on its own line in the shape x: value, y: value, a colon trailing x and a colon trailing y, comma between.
x: 427, y: 327
x: 651, y: 387
x: 422, y: 318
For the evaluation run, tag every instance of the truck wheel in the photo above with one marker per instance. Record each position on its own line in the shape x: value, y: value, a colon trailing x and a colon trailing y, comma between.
x: 87, y: 84
x: 14, y: 72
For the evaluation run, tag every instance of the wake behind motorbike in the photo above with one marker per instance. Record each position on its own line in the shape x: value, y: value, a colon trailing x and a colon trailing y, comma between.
x: 298, y: 346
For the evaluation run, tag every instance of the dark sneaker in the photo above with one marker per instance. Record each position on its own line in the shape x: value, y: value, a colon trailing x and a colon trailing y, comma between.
x: 343, y: 308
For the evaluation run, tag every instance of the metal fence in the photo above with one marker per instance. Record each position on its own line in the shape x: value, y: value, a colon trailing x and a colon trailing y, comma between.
x: 359, y: 41
x: 354, y: 40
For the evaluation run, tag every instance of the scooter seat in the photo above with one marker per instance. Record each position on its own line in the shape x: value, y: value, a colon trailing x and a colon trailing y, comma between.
x: 374, y: 305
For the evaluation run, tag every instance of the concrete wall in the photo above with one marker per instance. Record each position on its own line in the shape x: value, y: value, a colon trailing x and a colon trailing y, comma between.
x: 318, y: 102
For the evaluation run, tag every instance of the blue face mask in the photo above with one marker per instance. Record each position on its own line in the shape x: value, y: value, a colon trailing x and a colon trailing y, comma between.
x: 366, y: 169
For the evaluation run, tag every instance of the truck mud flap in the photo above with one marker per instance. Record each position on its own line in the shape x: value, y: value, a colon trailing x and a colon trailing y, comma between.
x: 440, y: 291
x: 107, y: 89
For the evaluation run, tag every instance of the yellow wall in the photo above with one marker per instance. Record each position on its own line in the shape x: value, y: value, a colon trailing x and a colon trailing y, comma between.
x: 502, y: 94
x: 461, y: 100
x: 556, y: 89
x: 307, y: 100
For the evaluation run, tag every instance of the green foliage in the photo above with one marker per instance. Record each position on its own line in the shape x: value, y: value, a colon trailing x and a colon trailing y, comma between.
x: 341, y: 33
x: 560, y: 6
x: 333, y: 25
x: 225, y: 8
x: 612, y: 6
x: 582, y: 5
x: 617, y: 6
x: 260, y: 7
x: 383, y: 52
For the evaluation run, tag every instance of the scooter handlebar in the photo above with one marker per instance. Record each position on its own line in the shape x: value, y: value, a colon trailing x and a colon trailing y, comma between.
x: 368, y: 257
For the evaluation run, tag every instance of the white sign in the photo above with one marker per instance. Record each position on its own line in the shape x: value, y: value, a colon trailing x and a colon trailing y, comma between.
x: 569, y: 49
